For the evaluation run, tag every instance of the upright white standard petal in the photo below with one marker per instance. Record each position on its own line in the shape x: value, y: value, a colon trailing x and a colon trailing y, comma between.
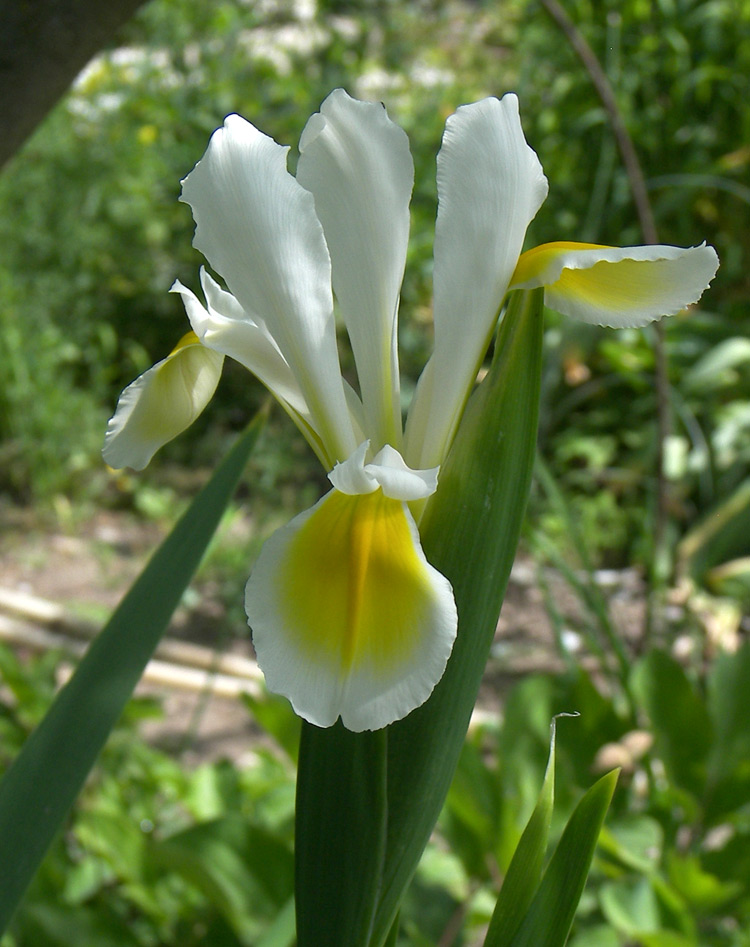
x: 357, y: 164
x: 613, y: 286
x: 490, y: 186
x: 349, y: 619
x: 258, y: 228
x: 161, y: 403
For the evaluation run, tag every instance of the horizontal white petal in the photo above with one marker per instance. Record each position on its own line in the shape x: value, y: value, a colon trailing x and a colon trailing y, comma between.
x: 490, y: 186
x: 258, y: 228
x: 614, y: 286
x: 348, y: 618
x: 357, y: 164
x: 161, y: 404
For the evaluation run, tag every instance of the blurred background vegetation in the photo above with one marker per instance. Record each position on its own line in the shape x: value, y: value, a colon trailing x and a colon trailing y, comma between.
x: 92, y: 233
x: 91, y: 238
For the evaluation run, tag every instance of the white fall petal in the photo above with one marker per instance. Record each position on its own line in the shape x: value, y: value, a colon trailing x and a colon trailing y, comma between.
x: 349, y: 619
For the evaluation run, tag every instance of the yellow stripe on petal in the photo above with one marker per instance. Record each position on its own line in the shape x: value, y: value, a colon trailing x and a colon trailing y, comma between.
x: 161, y: 403
x: 348, y: 617
x: 355, y: 592
x: 614, y: 286
x: 533, y: 267
x: 190, y: 338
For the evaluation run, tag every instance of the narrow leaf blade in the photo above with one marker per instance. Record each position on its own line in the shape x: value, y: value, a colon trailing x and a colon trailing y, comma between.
x: 522, y: 878
x: 550, y: 916
x: 40, y: 787
x: 340, y: 834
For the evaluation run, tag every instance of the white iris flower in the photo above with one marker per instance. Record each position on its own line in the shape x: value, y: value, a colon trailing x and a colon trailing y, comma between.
x: 349, y: 619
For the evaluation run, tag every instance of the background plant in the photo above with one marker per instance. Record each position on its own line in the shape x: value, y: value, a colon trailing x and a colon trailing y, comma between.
x: 92, y: 236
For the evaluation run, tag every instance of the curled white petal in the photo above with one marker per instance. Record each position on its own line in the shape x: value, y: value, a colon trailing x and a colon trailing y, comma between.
x: 357, y: 164
x: 349, y: 476
x: 387, y: 471
x: 348, y: 618
x: 399, y: 481
x: 161, y: 404
x: 613, y: 286
x: 490, y: 186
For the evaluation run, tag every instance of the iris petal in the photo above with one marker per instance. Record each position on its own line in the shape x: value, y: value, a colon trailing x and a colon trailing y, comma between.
x: 258, y: 228
x: 614, y: 286
x: 490, y: 186
x: 348, y: 617
x: 161, y: 403
x: 387, y: 470
x: 224, y: 326
x: 357, y: 164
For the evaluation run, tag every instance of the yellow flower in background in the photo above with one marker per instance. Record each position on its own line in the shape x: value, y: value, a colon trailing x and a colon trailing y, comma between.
x: 349, y: 619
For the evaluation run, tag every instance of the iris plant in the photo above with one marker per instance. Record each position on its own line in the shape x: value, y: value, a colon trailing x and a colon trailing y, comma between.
x: 349, y: 619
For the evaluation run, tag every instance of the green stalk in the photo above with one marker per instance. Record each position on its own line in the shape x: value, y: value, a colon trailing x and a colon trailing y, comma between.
x: 469, y: 532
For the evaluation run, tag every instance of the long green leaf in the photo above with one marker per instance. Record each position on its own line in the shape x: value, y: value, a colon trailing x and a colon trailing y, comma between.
x: 48, y: 773
x: 522, y: 878
x: 469, y: 532
x: 550, y: 916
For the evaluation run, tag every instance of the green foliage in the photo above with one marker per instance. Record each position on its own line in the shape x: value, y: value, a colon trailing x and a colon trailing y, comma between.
x: 156, y: 852
x: 93, y: 235
x: 672, y: 864
x: 49, y: 771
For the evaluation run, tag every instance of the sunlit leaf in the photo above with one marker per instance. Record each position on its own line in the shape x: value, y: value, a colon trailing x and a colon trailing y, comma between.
x: 470, y: 533
x: 40, y: 787
x: 550, y: 915
x: 525, y: 870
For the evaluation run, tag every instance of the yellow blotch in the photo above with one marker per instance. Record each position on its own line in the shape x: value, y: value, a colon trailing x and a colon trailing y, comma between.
x: 533, y: 262
x: 354, y: 588
x: 190, y: 338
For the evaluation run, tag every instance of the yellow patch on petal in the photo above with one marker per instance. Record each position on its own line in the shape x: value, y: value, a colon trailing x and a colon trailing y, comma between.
x: 533, y: 263
x: 179, y: 390
x: 617, y: 286
x: 354, y: 588
x: 190, y: 338
x: 161, y: 403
